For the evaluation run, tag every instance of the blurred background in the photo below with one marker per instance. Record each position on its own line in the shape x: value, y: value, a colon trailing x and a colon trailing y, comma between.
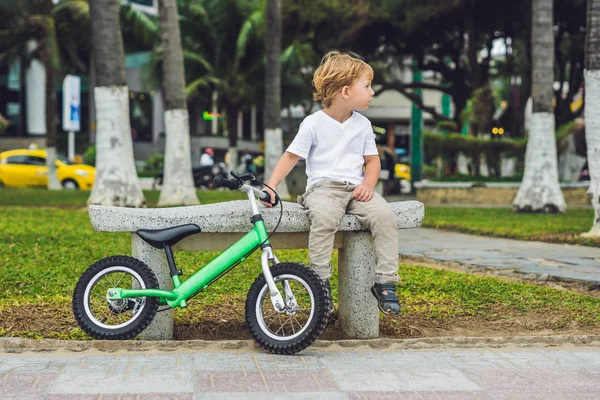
x: 452, y: 81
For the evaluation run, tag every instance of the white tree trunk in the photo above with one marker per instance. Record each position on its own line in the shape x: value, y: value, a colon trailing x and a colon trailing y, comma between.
x: 35, y: 98
x: 540, y: 190
x: 240, y: 125
x: 253, y: 123
x: 53, y: 182
x: 215, y: 110
x: 273, y: 150
x: 178, y: 184
x: 592, y: 137
x: 116, y: 182
x: 233, y: 159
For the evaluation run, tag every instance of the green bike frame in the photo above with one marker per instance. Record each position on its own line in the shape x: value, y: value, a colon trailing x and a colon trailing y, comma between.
x: 212, y: 271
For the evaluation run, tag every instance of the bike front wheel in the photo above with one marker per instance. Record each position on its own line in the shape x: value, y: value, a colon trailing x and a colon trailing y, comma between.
x: 119, y: 319
x: 306, y: 312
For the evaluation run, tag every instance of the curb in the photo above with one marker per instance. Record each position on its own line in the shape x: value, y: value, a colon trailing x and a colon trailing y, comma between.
x: 19, y: 345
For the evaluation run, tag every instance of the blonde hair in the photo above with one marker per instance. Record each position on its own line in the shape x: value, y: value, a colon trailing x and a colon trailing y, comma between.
x: 337, y: 70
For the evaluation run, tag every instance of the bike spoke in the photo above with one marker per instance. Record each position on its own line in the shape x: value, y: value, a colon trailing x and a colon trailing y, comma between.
x: 301, y: 325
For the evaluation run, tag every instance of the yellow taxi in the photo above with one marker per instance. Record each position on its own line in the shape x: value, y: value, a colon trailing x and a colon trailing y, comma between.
x: 27, y: 168
x: 402, y: 171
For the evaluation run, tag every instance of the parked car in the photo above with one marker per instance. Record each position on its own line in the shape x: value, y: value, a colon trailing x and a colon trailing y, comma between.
x: 27, y: 168
x: 402, y: 171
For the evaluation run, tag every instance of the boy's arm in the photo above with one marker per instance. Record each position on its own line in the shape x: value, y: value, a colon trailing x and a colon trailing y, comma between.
x: 282, y: 169
x: 364, y: 191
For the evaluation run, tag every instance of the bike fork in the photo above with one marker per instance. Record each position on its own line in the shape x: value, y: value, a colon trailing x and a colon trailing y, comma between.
x: 276, y: 298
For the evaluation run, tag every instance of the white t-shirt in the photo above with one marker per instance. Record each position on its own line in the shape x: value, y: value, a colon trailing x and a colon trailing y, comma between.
x: 334, y: 150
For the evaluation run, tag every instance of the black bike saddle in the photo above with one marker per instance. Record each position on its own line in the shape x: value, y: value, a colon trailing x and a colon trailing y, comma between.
x: 157, y: 237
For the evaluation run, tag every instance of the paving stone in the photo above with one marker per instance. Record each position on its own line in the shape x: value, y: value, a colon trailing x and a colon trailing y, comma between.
x: 406, y: 380
x: 124, y: 396
x: 122, y: 374
x: 264, y: 381
x: 271, y: 396
x: 352, y: 373
x: 25, y: 384
x: 535, y: 380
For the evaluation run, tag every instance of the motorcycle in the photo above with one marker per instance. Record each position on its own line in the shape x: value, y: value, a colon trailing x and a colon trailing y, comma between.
x: 203, y: 176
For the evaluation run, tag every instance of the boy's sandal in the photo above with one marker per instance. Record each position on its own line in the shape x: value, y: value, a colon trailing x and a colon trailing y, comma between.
x: 327, y: 289
x: 388, y: 303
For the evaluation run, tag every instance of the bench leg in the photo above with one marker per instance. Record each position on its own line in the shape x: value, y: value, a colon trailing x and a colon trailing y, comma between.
x: 358, y: 312
x: 161, y: 328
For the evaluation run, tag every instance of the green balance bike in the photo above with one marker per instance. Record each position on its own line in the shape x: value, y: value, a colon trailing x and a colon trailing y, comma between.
x: 287, y: 306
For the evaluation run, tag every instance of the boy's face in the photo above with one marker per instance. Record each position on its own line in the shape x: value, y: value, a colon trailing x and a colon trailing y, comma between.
x: 361, y: 93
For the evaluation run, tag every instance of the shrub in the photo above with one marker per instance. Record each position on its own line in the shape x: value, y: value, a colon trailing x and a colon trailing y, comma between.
x: 449, y: 146
x: 155, y: 163
x: 446, y: 126
x: 89, y: 156
x: 3, y: 123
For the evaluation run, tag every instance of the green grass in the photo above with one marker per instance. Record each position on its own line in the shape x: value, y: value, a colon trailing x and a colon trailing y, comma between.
x: 502, y: 222
x: 45, y: 250
x: 68, y: 198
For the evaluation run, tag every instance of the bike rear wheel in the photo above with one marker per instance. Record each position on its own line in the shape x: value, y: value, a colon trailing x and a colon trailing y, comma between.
x: 304, y: 318
x: 120, y: 319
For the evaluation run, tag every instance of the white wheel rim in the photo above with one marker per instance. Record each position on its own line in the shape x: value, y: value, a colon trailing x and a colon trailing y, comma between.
x: 86, y: 304
x: 70, y: 185
x: 265, y: 292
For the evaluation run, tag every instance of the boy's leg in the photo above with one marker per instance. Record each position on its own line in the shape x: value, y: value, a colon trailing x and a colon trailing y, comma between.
x: 326, y: 205
x: 379, y: 218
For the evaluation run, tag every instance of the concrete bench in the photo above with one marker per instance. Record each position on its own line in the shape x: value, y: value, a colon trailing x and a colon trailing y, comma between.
x: 224, y: 223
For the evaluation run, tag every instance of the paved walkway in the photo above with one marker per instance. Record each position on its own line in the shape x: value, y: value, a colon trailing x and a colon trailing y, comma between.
x: 509, y: 373
x: 529, y: 260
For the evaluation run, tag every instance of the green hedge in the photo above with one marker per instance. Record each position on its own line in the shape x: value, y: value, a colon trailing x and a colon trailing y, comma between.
x: 447, y: 147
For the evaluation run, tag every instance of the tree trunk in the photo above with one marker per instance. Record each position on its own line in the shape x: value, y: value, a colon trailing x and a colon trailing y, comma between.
x: 53, y: 182
x: 231, y: 112
x: 592, y: 108
x: 540, y: 190
x: 91, y: 105
x: 178, y: 183
x: 116, y: 182
x: 23, y: 115
x: 272, y: 112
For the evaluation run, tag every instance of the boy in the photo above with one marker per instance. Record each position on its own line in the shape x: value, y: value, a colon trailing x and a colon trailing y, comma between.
x: 337, y: 143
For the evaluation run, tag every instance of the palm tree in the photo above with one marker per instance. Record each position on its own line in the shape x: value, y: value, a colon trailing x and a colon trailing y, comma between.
x: 592, y: 108
x: 540, y: 190
x: 116, y: 179
x: 37, y: 33
x: 58, y: 35
x: 272, y: 111
x: 229, y: 59
x: 178, y: 185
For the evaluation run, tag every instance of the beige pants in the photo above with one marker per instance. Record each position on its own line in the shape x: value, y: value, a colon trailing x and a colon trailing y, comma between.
x: 326, y: 202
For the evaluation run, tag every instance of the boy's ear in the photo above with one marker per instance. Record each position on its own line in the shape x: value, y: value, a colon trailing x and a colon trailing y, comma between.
x: 346, y: 92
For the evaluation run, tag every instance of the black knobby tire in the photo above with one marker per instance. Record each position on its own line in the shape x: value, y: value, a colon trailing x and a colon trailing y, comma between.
x: 84, y: 310
x: 307, y: 287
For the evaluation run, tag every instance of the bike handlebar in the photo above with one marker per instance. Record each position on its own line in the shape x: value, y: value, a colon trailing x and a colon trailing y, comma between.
x: 238, y: 182
x: 231, y: 184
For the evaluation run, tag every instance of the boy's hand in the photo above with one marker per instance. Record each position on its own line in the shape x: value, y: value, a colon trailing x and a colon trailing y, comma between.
x: 363, y: 192
x: 272, y: 194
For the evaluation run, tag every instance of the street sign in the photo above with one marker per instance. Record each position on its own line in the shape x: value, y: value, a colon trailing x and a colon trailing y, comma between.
x: 72, y: 103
